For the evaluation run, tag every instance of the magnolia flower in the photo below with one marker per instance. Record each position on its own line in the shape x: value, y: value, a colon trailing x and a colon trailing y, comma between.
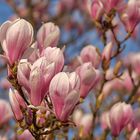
x: 42, y: 72
x: 54, y: 55
x: 64, y: 93
x: 120, y: 115
x: 95, y: 8
x: 91, y: 54
x: 88, y: 78
x: 131, y: 17
x: 48, y: 35
x: 133, y: 60
x: 15, y: 38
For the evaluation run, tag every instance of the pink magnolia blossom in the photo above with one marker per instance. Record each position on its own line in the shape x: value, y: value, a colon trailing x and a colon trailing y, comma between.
x: 35, y: 78
x: 41, y: 74
x: 54, y: 55
x: 90, y: 54
x: 17, y: 104
x: 48, y: 35
x: 120, y: 115
x: 31, y: 53
x: 95, y: 8
x: 15, y: 38
x: 131, y: 17
x: 88, y: 78
x: 5, y: 112
x: 133, y: 60
x: 126, y: 81
x: 118, y: 84
x: 64, y: 93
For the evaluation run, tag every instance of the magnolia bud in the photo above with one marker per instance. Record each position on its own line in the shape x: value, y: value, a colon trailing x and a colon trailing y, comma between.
x: 91, y: 54
x: 64, y: 93
x: 87, y: 76
x: 54, y: 55
x: 120, y: 115
x: 48, y: 35
x: 41, y: 74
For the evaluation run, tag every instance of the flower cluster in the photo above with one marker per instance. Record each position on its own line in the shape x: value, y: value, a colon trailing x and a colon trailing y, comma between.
x: 49, y: 94
x: 42, y: 88
x: 103, y: 12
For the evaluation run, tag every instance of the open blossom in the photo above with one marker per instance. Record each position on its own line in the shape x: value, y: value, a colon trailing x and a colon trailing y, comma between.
x: 64, y: 93
x: 91, y: 54
x: 88, y: 78
x: 17, y: 103
x: 15, y: 38
x: 5, y: 112
x: 131, y: 17
x: 48, y: 35
x: 120, y: 115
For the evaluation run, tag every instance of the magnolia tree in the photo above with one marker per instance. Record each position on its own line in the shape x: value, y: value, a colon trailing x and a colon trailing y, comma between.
x: 91, y: 98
